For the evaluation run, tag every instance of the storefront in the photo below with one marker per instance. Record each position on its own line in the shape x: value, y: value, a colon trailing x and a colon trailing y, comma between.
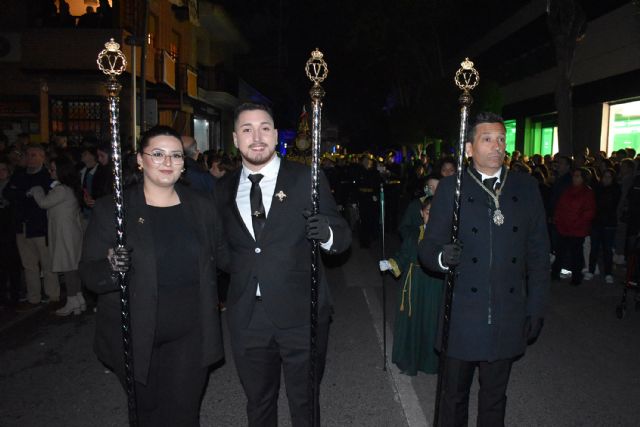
x: 20, y: 116
x: 621, y: 126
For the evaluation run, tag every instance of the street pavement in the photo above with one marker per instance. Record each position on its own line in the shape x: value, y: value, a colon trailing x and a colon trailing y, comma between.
x: 583, y: 371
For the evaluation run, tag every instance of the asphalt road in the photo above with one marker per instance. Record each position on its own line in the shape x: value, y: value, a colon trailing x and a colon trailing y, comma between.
x: 583, y: 371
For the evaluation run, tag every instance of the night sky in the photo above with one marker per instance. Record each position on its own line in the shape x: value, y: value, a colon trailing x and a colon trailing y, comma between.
x: 391, y: 62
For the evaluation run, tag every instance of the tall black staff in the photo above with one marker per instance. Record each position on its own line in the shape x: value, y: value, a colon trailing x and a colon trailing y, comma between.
x: 466, y: 78
x: 384, y: 290
x: 317, y: 71
x: 112, y: 62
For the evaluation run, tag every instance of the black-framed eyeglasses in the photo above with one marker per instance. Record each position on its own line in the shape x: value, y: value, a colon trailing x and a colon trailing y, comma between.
x: 159, y: 157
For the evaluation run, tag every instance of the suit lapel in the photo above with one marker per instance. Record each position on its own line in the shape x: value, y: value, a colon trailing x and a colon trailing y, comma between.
x: 277, y: 205
x: 233, y: 194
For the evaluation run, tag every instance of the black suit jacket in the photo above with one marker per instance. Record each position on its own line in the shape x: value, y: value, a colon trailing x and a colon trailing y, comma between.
x: 143, y: 290
x: 504, y: 272
x: 280, y: 260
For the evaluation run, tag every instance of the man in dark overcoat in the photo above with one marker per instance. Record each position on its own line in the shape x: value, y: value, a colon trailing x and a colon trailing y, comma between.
x: 502, y: 275
x: 263, y: 208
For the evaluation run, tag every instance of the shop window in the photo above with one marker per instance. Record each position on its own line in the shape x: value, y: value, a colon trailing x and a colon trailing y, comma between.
x: 77, y: 118
x: 541, y: 137
x: 510, y: 127
x: 624, y: 126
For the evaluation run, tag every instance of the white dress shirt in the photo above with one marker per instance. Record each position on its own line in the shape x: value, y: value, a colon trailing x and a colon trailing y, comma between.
x: 268, y: 187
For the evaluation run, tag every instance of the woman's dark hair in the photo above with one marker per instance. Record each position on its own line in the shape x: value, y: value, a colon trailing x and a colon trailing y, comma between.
x: 544, y: 170
x: 443, y: 161
x: 68, y: 175
x: 157, y: 131
x: 586, y: 175
x: 539, y: 175
x: 610, y: 171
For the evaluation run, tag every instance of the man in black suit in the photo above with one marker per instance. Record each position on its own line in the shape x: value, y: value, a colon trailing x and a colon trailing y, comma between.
x: 502, y: 275
x: 264, y: 206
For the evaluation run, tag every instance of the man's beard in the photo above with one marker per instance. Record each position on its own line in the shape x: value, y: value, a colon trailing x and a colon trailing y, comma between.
x: 258, y: 158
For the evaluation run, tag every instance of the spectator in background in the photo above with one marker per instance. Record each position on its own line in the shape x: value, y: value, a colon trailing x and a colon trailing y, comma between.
x: 625, y: 179
x: 64, y: 229
x: 103, y: 178
x: 9, y: 258
x: 573, y: 218
x: 561, y: 181
x: 105, y: 12
x: 446, y: 167
x: 194, y: 174
x: 31, y: 231
x: 89, y: 157
x: 65, y: 19
x: 90, y: 19
x: 219, y: 165
x: 545, y: 189
x: 603, y: 232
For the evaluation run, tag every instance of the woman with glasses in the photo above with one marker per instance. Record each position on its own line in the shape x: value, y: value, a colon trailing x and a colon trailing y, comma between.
x: 172, y: 249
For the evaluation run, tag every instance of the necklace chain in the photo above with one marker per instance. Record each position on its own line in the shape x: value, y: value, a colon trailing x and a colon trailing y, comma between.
x: 498, y: 217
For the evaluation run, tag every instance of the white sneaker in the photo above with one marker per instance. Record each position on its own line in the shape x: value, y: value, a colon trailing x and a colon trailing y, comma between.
x: 597, y: 270
x: 608, y: 279
x: 564, y: 273
x: 587, y: 276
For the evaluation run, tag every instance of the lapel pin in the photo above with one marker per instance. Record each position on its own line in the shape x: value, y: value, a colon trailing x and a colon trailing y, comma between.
x: 281, y: 196
x: 140, y: 220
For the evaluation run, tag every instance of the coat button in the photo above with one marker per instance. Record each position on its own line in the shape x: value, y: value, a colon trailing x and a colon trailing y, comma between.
x: 470, y: 199
x: 474, y: 230
x: 258, y: 250
x: 511, y: 290
x: 474, y: 259
x: 514, y: 259
x: 515, y: 228
x: 474, y: 290
x: 514, y: 198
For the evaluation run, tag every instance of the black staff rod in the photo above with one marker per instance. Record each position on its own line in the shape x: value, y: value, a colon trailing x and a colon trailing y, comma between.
x: 466, y: 78
x: 317, y: 71
x: 384, y: 288
x: 112, y: 63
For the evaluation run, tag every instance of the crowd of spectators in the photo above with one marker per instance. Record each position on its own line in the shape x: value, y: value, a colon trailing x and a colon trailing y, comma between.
x: 47, y: 194
x: 592, y: 204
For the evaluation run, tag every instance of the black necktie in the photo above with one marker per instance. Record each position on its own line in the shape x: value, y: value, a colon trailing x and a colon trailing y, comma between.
x: 258, y: 216
x: 490, y: 183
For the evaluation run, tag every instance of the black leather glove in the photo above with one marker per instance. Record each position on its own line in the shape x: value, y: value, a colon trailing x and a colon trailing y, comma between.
x: 317, y: 227
x: 451, y: 254
x: 119, y: 259
x: 532, y: 328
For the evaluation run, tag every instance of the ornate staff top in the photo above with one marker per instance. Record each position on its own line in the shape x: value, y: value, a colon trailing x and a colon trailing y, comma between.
x: 317, y: 70
x: 111, y: 60
x: 467, y: 77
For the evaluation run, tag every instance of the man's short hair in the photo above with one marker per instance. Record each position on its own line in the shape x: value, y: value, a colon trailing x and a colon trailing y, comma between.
x: 481, y: 118
x: 251, y: 106
x: 36, y: 146
x: 568, y: 160
x: 191, y: 148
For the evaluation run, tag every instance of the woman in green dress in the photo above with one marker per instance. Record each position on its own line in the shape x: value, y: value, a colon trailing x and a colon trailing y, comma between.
x: 420, y: 298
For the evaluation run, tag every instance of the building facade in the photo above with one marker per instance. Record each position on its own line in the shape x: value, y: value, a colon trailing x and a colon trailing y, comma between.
x: 51, y: 86
x: 519, y: 54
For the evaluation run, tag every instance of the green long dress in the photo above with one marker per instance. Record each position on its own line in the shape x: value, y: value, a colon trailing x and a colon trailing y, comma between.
x: 419, y: 301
